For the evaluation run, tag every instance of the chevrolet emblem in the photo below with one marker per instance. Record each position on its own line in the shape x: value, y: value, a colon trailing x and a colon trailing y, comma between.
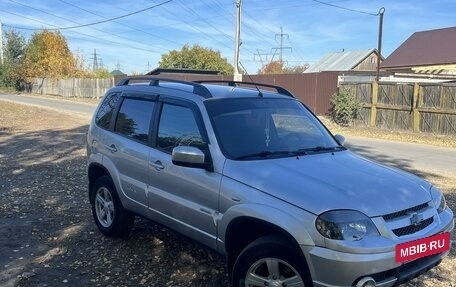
x: 416, y: 218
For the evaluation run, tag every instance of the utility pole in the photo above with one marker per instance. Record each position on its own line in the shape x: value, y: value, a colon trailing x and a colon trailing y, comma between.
x: 1, y: 42
x: 148, y: 67
x: 118, y: 66
x: 237, y: 44
x: 260, y: 56
x: 380, y: 30
x: 281, y: 48
x: 95, y: 61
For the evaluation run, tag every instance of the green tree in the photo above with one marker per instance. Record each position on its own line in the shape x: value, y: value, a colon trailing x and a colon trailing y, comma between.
x: 100, y: 73
x: 10, y: 71
x: 196, y: 57
x: 345, y: 107
x: 47, y: 56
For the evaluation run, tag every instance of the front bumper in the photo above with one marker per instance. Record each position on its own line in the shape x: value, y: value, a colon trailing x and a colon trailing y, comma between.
x: 348, y: 269
x: 330, y: 268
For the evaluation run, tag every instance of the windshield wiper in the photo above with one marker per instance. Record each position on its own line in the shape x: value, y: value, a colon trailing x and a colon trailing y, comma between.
x: 303, y: 151
x: 265, y: 153
x: 321, y: 149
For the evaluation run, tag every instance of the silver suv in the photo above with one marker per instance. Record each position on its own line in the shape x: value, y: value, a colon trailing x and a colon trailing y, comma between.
x: 253, y: 174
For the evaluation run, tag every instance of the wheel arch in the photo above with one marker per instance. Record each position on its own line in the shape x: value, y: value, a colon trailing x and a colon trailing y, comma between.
x: 245, y: 228
x: 95, y: 171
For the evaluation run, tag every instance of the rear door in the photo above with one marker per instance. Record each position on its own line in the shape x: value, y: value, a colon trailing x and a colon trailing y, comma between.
x: 130, y: 144
x: 187, y: 198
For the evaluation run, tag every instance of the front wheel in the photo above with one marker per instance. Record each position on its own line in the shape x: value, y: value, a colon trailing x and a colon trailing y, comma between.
x: 270, y: 261
x: 109, y: 215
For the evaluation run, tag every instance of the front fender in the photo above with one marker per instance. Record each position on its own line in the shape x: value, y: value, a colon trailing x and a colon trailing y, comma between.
x: 295, y: 227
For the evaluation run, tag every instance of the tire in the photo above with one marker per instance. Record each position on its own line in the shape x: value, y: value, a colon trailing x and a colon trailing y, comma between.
x: 270, y: 261
x: 110, y: 217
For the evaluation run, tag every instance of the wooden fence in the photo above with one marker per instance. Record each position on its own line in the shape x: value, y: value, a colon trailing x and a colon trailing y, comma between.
x: 80, y: 88
x: 412, y: 107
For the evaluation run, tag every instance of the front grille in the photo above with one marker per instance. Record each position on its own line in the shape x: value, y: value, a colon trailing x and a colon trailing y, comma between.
x: 405, y: 212
x: 413, y: 228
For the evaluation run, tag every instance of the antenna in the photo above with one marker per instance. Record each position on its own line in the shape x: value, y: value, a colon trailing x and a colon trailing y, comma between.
x: 260, y: 94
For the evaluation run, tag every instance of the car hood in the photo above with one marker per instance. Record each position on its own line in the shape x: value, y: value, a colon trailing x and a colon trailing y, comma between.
x: 327, y: 181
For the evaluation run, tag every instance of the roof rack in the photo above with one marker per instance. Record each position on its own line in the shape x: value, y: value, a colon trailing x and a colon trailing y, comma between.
x: 198, y: 89
x: 238, y: 84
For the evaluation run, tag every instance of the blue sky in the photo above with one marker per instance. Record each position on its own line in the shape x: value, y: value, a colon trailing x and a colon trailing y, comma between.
x: 136, y: 43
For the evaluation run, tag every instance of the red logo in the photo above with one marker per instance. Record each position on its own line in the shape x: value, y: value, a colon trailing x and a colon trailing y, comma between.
x: 423, y: 247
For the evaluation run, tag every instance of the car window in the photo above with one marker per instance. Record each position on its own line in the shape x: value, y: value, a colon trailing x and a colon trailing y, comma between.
x: 134, y: 118
x: 104, y: 114
x: 251, y: 126
x: 178, y: 127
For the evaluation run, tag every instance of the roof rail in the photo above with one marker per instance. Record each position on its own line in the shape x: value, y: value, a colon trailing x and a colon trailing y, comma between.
x: 238, y: 84
x: 198, y: 89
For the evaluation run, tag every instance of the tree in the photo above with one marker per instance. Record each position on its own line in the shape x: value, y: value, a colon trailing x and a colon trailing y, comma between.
x: 345, y: 107
x: 196, y: 57
x: 47, y: 56
x: 10, y: 71
x: 298, y: 69
x: 273, y: 67
x: 278, y: 67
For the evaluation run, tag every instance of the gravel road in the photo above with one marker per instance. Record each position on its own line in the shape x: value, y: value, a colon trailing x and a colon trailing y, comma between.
x: 47, y: 235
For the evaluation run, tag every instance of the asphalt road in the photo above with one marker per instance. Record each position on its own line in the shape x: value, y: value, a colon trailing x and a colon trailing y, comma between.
x: 55, y: 104
x: 413, y: 157
x: 416, y: 158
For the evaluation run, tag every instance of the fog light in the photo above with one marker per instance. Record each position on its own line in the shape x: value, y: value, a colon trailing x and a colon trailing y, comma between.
x: 366, y: 282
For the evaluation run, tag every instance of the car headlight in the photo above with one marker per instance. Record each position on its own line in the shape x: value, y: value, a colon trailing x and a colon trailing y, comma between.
x: 345, y: 225
x: 438, y: 199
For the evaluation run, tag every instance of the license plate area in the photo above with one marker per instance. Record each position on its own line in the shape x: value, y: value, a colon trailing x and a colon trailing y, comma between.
x: 412, y: 250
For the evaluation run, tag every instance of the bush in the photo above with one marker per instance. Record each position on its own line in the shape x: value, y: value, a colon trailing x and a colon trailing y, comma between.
x: 345, y: 107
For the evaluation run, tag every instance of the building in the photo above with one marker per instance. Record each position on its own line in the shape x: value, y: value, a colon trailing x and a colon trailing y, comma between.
x: 117, y: 73
x: 425, y: 54
x: 360, y: 60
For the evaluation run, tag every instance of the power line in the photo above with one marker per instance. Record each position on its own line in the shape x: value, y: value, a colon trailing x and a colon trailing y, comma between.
x: 89, y: 24
x: 87, y: 35
x: 105, y: 32
x: 200, y: 30
x: 207, y: 22
x: 69, y: 20
x: 345, y: 8
x: 125, y: 25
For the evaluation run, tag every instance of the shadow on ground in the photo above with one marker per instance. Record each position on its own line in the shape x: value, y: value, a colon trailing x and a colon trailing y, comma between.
x: 47, y: 235
x: 404, y: 164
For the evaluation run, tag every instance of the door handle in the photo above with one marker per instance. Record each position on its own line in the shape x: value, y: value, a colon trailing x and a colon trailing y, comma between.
x: 157, y: 165
x: 112, y: 148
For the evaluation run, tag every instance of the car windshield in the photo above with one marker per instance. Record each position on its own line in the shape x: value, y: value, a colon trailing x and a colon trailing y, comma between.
x: 259, y: 128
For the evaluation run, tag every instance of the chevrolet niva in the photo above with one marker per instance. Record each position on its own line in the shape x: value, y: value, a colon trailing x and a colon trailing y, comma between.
x: 253, y: 174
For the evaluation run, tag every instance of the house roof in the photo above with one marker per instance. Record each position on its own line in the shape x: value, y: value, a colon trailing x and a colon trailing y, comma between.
x: 340, y: 61
x: 433, y: 47
x: 117, y: 73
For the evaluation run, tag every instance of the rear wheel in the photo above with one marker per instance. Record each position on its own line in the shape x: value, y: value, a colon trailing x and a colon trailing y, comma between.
x: 270, y: 261
x: 109, y: 215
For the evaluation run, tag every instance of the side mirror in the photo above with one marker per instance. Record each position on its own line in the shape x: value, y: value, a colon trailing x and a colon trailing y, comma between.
x: 189, y: 156
x: 340, y: 139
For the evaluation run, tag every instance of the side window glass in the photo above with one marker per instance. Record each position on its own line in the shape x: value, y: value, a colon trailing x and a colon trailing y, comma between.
x: 134, y: 118
x: 104, y: 114
x: 178, y: 127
